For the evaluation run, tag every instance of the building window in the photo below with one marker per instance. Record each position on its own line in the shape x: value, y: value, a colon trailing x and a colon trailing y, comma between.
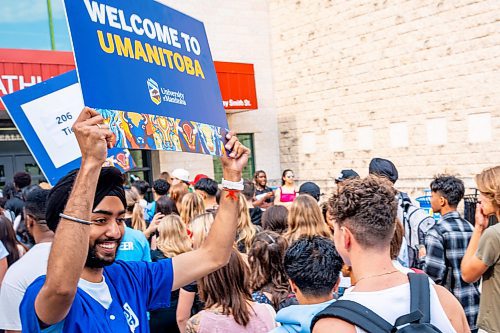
x: 142, y: 170
x: 398, y: 133
x: 247, y: 140
x: 479, y: 127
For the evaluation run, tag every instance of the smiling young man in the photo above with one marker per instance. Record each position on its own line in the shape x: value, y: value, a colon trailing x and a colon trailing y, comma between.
x: 85, y: 290
x: 264, y: 195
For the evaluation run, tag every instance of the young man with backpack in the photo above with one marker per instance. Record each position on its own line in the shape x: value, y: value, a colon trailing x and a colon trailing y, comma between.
x: 364, y: 215
x: 415, y: 220
x: 447, y: 242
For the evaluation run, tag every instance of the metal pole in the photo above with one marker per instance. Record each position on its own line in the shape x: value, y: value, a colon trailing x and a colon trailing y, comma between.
x: 51, y: 26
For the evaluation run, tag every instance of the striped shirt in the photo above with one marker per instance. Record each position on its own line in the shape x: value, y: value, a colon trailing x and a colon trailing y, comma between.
x: 445, y: 245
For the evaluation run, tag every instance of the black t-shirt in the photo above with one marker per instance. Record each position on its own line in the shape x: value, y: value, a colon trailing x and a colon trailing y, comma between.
x: 263, y: 191
x: 256, y: 215
x: 198, y: 304
x: 164, y: 319
x: 128, y: 222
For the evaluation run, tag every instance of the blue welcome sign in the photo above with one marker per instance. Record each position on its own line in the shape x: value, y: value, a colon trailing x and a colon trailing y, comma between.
x: 148, y: 70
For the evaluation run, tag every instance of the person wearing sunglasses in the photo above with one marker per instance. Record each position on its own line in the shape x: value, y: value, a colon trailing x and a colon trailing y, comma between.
x: 286, y: 193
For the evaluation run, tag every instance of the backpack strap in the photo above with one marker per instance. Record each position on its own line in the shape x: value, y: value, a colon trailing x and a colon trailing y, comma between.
x: 405, y: 205
x: 419, y: 302
x: 405, y: 200
x: 356, y: 314
x: 420, y: 296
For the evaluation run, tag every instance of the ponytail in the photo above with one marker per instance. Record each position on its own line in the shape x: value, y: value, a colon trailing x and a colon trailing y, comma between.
x: 138, y: 222
x: 135, y: 208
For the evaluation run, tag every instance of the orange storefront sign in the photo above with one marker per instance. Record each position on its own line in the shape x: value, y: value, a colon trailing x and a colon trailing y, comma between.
x: 23, y: 68
x: 237, y: 85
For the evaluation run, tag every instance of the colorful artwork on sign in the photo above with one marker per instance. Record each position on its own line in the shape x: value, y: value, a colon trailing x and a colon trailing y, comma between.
x: 148, y: 131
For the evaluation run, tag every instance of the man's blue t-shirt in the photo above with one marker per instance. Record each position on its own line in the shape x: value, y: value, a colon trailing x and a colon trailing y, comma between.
x: 134, y: 246
x: 135, y: 287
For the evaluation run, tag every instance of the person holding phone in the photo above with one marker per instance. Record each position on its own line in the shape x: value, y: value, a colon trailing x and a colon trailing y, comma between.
x: 482, y: 258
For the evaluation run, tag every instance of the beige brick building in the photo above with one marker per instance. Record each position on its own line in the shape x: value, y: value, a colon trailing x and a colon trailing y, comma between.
x: 340, y: 82
x: 413, y: 81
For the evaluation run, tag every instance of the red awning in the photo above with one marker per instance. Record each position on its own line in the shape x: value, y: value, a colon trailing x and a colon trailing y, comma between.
x: 23, y: 68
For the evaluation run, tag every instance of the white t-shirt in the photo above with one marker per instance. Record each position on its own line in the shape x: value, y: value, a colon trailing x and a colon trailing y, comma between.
x: 17, y: 279
x: 23, y: 272
x: 392, y: 303
x: 98, y: 291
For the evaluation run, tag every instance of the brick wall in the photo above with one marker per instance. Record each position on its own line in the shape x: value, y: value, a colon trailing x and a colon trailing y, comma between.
x: 400, y: 68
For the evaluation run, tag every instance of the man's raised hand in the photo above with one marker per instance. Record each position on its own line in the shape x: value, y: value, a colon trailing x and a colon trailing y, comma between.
x: 238, y: 158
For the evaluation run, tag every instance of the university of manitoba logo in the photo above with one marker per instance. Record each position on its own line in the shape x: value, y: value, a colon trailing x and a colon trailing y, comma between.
x: 131, y: 317
x: 154, y: 91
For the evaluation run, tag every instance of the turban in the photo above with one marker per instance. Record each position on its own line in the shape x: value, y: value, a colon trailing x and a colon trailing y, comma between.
x: 110, y: 183
x: 384, y: 168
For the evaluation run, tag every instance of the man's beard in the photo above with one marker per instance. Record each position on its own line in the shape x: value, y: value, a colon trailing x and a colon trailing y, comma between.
x: 94, y: 261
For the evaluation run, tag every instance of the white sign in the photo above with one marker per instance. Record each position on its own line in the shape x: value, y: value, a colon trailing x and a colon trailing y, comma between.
x: 52, y: 117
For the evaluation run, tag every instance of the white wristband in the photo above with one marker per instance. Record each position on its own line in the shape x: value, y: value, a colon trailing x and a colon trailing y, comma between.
x: 228, y: 185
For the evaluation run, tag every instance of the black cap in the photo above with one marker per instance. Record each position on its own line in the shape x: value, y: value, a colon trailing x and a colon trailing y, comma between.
x: 384, y: 168
x: 310, y: 188
x: 346, y: 174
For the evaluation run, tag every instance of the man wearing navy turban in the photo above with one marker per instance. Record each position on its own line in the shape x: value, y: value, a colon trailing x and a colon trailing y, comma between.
x: 85, y: 289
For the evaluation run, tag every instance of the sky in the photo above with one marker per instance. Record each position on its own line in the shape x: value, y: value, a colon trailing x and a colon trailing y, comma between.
x: 24, y: 25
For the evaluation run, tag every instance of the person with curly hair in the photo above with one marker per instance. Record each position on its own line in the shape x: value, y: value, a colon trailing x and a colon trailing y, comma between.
x: 482, y: 258
x: 364, y: 214
x: 267, y: 275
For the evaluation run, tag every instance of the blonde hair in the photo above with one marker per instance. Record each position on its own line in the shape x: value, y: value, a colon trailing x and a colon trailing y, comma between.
x: 200, y: 227
x: 173, y: 238
x: 305, y: 220
x: 191, y: 206
x: 488, y: 183
x: 134, y: 207
x: 245, y: 231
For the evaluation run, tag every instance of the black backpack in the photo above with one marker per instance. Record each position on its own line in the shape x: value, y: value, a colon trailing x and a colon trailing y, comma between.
x: 418, y: 320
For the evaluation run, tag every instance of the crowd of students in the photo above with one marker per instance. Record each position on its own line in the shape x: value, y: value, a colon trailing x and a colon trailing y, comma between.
x: 241, y: 256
